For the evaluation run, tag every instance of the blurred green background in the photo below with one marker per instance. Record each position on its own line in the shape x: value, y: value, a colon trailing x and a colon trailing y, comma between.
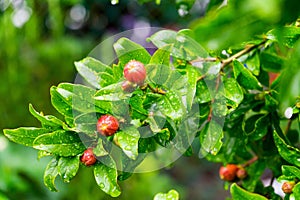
x: 40, y: 40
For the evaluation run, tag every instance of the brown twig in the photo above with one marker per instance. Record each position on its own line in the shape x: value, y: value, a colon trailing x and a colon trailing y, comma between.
x: 249, y: 162
x: 157, y: 90
x: 210, y: 59
x: 288, y: 126
x: 240, y: 53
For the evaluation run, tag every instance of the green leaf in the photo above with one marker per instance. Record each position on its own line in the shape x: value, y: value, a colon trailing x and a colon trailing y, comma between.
x: 99, y: 150
x: 112, y: 92
x: 128, y: 139
x: 296, y: 191
x: 172, y: 106
x: 192, y: 75
x: 47, y: 121
x: 127, y: 50
x: 158, y: 74
x: 68, y: 98
x: 163, y: 137
x: 256, y: 126
x: 240, y: 194
x: 186, y: 131
x: 161, y: 56
x: 105, y: 173
x: 50, y: 174
x: 253, y: 63
x: 95, y: 72
x: 186, y: 47
x: 171, y: 195
x: 233, y: 91
x: 156, y: 121
x: 67, y: 167
x: 245, y: 77
x: 285, y: 35
x: 60, y: 103
x: 203, y: 95
x: 80, y: 97
x: 163, y: 38
x: 271, y: 62
x: 24, y: 135
x: 62, y: 143
x: 287, y: 152
x: 289, y: 83
x: 86, y: 123
x: 289, y: 172
x: 211, y: 140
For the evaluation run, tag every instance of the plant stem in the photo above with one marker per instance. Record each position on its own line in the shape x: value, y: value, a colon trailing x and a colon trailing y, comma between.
x: 288, y: 126
x: 157, y: 90
x: 249, y: 162
x: 247, y: 49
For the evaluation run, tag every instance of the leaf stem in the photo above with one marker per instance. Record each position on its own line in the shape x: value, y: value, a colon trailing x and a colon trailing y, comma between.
x: 156, y: 90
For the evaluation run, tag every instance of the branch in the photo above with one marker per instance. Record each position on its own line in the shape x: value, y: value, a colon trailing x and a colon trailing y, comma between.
x: 240, y: 53
x: 227, y: 61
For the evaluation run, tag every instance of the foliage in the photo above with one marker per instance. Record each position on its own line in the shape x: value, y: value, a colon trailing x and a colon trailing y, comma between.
x: 223, y: 98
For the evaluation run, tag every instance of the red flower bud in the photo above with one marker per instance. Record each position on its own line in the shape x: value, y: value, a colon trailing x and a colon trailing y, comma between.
x: 228, y: 173
x: 241, y: 173
x: 107, y: 125
x: 127, y: 86
x: 287, y: 187
x: 135, y: 72
x: 88, y: 158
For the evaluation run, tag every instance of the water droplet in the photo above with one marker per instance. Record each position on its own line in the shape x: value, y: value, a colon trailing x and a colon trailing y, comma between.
x: 127, y: 148
x: 101, y: 185
x: 183, y: 10
x: 114, y: 2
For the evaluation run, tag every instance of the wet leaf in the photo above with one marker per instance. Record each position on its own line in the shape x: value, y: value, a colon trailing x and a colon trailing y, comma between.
x: 239, y: 193
x: 105, y: 173
x: 171, y: 106
x: 233, y: 91
x: 128, y: 139
x: 67, y: 167
x: 95, y: 72
x: 127, y: 50
x: 47, y: 121
x: 289, y: 153
x: 211, y: 140
x: 62, y: 143
x: 50, y: 174
x: 163, y: 38
x: 24, y: 135
x: 245, y: 77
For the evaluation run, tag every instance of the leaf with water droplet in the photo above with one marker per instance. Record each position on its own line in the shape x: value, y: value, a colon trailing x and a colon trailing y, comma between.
x: 62, y: 143
x: 233, y: 92
x: 211, y: 140
x: 127, y: 50
x: 128, y: 139
x: 24, y: 135
x: 105, y: 173
x: 287, y: 152
x: 68, y: 167
x: 171, y: 105
x: 95, y: 72
x: 50, y: 174
x: 47, y: 121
